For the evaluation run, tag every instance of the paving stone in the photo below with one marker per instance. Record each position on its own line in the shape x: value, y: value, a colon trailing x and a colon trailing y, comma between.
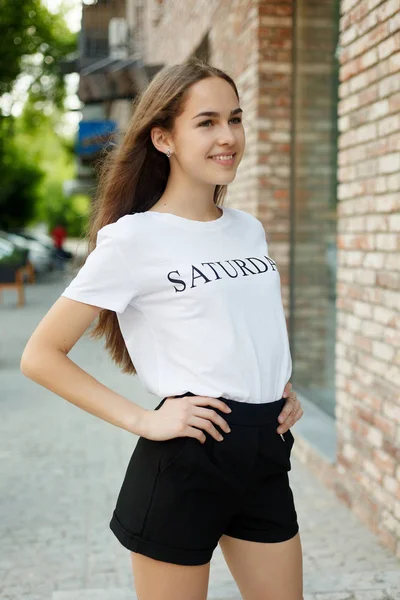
x: 118, y: 594
x: 358, y: 580
x: 96, y: 594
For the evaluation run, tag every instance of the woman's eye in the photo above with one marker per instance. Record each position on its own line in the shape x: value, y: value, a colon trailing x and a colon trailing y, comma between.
x: 204, y: 123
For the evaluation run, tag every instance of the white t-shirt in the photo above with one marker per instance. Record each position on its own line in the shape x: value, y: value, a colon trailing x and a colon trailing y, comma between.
x: 198, y: 303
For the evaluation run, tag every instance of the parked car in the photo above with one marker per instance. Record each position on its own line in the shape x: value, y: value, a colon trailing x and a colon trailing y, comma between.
x: 6, y: 249
x: 47, y: 241
x: 11, y: 258
x: 38, y: 255
x: 37, y: 236
x: 9, y: 252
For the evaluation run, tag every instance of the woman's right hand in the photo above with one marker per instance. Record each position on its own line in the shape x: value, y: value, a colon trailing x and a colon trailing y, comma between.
x: 185, y: 417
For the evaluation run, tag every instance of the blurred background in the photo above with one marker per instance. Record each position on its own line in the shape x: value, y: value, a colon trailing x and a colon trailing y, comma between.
x: 319, y: 82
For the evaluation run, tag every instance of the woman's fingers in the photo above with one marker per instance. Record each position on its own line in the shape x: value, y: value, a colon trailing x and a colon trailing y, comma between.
x: 207, y: 401
x: 287, y: 390
x: 203, y: 418
x: 213, y: 416
x: 291, y: 412
x: 288, y: 408
x: 206, y: 425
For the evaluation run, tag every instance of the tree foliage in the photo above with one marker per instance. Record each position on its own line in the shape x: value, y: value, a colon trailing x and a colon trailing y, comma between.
x: 20, y: 179
x: 54, y: 155
x: 33, y: 41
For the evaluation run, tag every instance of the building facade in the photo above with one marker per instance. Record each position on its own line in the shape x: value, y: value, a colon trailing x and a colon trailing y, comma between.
x: 319, y: 82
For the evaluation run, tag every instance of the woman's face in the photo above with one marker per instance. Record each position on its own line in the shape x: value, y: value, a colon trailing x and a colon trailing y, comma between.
x: 197, y: 141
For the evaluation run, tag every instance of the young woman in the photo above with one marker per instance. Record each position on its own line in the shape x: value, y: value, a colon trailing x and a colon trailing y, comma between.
x: 188, y: 298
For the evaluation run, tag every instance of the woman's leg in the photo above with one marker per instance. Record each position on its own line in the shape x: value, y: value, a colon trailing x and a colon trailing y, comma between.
x: 265, y: 571
x: 158, y: 580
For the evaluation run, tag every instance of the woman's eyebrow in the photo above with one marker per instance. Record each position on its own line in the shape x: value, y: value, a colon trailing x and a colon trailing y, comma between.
x: 209, y: 113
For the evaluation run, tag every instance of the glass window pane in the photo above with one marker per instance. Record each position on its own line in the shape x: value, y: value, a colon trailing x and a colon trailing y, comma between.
x: 313, y: 264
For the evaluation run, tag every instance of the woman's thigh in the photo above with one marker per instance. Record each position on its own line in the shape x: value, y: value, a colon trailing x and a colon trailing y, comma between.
x: 155, y: 579
x: 265, y: 571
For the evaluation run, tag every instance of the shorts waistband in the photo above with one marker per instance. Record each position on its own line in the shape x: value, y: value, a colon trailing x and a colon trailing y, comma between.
x: 244, y: 413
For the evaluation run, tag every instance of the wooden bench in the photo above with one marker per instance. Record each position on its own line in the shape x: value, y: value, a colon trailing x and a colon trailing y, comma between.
x: 13, y: 277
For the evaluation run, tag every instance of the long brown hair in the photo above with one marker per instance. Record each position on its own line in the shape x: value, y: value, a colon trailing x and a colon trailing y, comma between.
x: 134, y: 175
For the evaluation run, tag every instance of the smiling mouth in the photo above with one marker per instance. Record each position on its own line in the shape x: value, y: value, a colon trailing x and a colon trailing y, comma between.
x: 224, y: 160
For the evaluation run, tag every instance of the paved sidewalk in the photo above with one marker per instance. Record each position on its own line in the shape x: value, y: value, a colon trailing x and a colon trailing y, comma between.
x: 60, y: 471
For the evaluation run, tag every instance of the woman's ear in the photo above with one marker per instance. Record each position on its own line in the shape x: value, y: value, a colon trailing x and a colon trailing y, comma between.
x: 159, y: 139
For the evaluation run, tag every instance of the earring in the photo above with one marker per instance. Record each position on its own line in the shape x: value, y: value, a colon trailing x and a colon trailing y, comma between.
x: 168, y: 152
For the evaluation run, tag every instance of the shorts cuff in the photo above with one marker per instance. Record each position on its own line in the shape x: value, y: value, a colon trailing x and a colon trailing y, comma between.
x: 177, y: 556
x: 269, y: 536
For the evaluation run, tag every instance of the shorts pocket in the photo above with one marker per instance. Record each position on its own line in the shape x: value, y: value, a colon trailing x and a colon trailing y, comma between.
x: 149, y: 461
x: 288, y: 440
x: 173, y: 449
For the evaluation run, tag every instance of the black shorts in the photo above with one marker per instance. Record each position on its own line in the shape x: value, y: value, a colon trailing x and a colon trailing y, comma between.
x: 180, y: 496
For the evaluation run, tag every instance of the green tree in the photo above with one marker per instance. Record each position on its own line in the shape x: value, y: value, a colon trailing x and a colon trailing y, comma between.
x: 20, y: 180
x: 33, y: 42
x: 54, y: 155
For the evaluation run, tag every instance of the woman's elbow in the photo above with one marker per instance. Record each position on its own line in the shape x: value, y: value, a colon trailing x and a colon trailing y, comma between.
x: 28, y: 363
x: 33, y: 361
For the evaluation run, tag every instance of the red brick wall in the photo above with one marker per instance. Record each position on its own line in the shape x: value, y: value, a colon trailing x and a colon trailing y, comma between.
x: 368, y: 279
x: 275, y: 30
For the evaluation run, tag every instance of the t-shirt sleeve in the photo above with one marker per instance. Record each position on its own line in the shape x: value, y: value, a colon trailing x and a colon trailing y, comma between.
x: 105, y: 280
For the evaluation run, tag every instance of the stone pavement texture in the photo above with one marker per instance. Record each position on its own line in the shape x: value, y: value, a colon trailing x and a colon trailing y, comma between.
x: 61, y: 469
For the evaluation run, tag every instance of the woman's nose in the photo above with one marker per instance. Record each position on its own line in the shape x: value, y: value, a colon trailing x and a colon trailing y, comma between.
x: 226, y: 136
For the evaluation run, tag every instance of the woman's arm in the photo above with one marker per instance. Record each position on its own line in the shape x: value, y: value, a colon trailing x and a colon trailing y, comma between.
x: 45, y: 361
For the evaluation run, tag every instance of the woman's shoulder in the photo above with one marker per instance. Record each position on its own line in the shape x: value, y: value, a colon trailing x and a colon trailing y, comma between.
x: 245, y: 216
x: 125, y: 228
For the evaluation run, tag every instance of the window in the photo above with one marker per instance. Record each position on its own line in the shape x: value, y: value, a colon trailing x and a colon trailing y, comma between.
x: 313, y: 203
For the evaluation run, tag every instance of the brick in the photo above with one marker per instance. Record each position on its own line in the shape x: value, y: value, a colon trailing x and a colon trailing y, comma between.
x: 389, y: 163
x: 383, y: 315
x: 371, y: 329
x: 374, y: 437
x: 372, y: 470
x: 392, y: 411
x: 394, y: 451
x: 394, y: 62
x: 389, y: 85
x: 394, y: 102
x: 347, y: 5
x: 387, y: 427
x: 376, y: 223
x: 368, y: 59
x: 382, y: 351
x: 384, y: 463
x: 388, y: 280
x: 269, y: 21
x: 386, y: 241
x: 391, y: 262
x: 378, y: 110
x: 389, y: 46
x: 392, y: 486
x: 387, y: 203
x: 388, y: 125
x: 387, y: 9
x: 394, y: 23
